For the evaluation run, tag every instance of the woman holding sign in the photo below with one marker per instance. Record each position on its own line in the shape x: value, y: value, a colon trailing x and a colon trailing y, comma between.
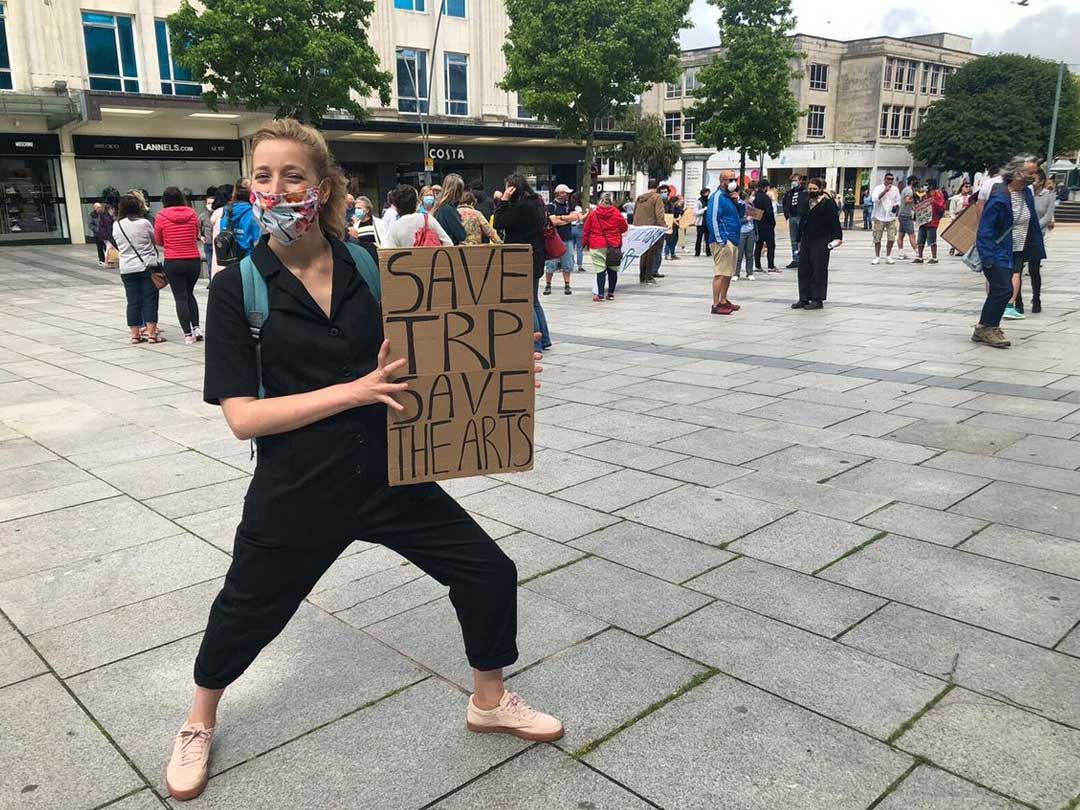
x: 309, y: 379
x: 820, y: 232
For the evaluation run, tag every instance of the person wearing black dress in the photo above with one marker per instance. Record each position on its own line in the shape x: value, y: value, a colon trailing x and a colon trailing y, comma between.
x: 819, y: 232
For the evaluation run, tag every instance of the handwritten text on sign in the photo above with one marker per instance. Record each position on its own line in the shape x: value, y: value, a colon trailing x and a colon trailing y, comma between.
x: 462, y: 317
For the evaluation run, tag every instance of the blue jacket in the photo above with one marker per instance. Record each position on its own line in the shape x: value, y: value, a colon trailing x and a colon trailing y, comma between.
x: 723, y: 218
x: 248, y: 232
x: 997, y: 219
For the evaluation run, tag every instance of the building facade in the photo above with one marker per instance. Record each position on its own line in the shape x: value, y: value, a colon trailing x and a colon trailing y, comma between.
x: 91, y: 101
x: 863, y: 101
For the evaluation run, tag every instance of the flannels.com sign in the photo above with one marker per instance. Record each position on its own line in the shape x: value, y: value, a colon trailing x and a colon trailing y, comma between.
x: 183, y: 148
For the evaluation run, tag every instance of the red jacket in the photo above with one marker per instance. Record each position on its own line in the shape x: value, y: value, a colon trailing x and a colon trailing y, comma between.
x: 604, y: 227
x: 177, y: 228
x: 937, y: 207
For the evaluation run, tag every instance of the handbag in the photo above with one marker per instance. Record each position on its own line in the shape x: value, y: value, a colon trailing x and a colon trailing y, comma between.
x: 157, y: 272
x: 426, y: 236
x: 613, y: 257
x: 226, y: 246
x: 554, y: 246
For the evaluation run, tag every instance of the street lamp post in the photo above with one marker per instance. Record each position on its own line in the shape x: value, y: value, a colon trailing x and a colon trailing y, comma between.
x: 1054, y: 119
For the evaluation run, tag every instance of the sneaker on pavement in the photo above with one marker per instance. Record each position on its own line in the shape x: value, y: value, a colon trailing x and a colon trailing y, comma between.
x: 597, y: 298
x: 932, y: 261
x: 197, y: 332
x: 889, y: 260
x: 734, y: 307
x: 514, y: 716
x: 1012, y: 313
x: 876, y: 260
x: 916, y: 260
x: 188, y: 769
x: 189, y: 340
x: 721, y: 309
x: 610, y: 297
x: 799, y: 304
x: 547, y: 290
x: 774, y: 270
x: 792, y: 265
x: 749, y: 276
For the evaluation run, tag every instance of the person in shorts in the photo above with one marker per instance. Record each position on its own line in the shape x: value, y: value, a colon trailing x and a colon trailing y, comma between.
x: 886, y: 198
x: 928, y: 231
x: 723, y: 218
x: 906, y: 218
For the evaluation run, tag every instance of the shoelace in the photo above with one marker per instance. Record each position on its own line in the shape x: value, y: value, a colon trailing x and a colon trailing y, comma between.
x: 519, y: 707
x: 193, y: 745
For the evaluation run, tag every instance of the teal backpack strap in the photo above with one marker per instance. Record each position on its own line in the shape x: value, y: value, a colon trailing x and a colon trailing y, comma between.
x: 256, y: 307
x: 367, y: 269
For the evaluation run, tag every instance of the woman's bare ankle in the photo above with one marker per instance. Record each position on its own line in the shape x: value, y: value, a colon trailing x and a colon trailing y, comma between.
x: 204, y: 707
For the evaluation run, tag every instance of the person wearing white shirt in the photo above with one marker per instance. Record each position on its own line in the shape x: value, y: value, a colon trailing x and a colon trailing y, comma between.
x: 403, y: 230
x: 886, y: 198
x: 389, y: 214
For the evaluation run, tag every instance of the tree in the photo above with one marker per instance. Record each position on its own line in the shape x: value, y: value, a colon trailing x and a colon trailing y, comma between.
x: 575, y: 61
x: 650, y: 152
x: 746, y: 97
x: 299, y: 57
x: 996, y: 107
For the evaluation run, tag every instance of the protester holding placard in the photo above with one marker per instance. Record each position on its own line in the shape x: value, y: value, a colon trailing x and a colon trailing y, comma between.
x: 928, y: 229
x: 307, y: 376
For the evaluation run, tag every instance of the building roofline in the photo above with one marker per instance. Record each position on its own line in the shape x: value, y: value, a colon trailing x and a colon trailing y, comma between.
x: 907, y: 40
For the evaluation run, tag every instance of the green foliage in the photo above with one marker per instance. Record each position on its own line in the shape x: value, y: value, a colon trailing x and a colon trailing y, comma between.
x: 299, y: 57
x: 650, y: 152
x: 996, y: 107
x: 745, y: 94
x: 573, y: 61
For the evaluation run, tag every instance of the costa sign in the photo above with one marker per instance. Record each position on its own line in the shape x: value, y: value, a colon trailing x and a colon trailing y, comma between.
x: 446, y: 153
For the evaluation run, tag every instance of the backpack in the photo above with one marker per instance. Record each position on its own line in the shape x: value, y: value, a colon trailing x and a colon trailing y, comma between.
x: 426, y: 236
x: 227, y: 249
x: 257, y: 299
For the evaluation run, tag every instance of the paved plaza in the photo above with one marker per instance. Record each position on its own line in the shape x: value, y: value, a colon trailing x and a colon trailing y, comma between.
x: 783, y: 559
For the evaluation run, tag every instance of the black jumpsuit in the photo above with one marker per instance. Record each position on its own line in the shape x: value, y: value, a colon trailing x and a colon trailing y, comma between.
x: 318, y: 488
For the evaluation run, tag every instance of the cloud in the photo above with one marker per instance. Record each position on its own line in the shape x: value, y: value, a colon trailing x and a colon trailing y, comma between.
x: 1050, y: 33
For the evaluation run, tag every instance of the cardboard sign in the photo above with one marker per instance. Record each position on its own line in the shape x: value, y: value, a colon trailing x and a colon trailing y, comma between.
x: 686, y: 221
x: 924, y: 211
x: 754, y: 213
x: 462, y: 317
x: 961, y: 231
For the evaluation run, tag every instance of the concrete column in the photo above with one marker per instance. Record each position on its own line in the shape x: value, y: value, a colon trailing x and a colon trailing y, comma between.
x: 76, y: 224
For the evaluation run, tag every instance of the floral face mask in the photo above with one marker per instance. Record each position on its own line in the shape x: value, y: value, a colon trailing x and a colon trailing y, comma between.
x: 286, y: 217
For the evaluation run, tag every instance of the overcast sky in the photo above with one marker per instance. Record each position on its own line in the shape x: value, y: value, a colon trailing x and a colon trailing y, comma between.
x: 1044, y: 28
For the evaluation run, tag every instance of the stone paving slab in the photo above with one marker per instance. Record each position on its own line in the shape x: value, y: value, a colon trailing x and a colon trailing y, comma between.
x: 868, y: 693
x: 314, y: 650
x: 726, y: 446
x: 534, y: 555
x: 652, y: 551
x: 619, y: 596
x: 1002, y: 747
x: 380, y: 753
x: 540, y: 514
x: 1031, y: 508
x: 1020, y: 602
x: 928, y: 788
x: 821, y: 499
x: 618, y: 676
x: 931, y: 525
x: 18, y: 661
x: 728, y: 746
x: 918, y: 485
x: 619, y: 489
x: 1013, y: 471
x: 1045, y: 450
x: 72, y: 764
x: 1041, y: 681
x: 802, y: 541
x: 1042, y: 551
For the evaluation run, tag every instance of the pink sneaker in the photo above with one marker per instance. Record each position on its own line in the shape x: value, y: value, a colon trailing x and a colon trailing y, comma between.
x: 189, y: 765
x: 514, y: 716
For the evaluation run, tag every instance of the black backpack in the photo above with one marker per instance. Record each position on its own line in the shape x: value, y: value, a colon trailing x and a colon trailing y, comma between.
x: 227, y: 249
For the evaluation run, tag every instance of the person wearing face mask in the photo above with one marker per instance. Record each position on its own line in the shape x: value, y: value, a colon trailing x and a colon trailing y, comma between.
x: 928, y: 231
x: 723, y: 218
x: 427, y: 199
x: 361, y: 228
x: 206, y: 228
x: 312, y: 381
x: 700, y: 204
x: 766, y: 228
x: 1045, y: 202
x: 821, y: 233
x: 406, y: 228
x: 793, y: 204
x: 350, y: 209
x: 1027, y: 238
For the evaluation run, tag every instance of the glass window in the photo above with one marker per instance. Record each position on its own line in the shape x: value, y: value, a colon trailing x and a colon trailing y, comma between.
x: 815, y: 121
x: 925, y: 78
x: 688, y: 128
x: 674, y: 90
x: 673, y: 126
x: 819, y: 77
x: 31, y: 199
x: 884, y: 130
x: 935, y: 80
x: 457, y: 84
x: 905, y: 130
x: 410, y: 5
x: 5, y: 59
x: 525, y: 112
x: 894, y: 123
x: 945, y: 73
x: 898, y: 79
x: 606, y: 124
x: 912, y: 67
x: 691, y: 79
x: 451, y: 8
x: 175, y: 80
x: 412, y: 80
x: 110, y: 52
x: 889, y: 66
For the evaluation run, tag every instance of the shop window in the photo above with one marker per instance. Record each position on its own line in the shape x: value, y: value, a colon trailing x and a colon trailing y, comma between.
x: 5, y: 59
x: 673, y: 126
x: 412, y: 80
x: 815, y: 121
x: 110, y: 52
x: 31, y: 199
x: 456, y: 76
x: 819, y: 77
x: 905, y: 129
x: 452, y: 8
x: 410, y: 5
x: 674, y: 90
x: 688, y: 128
x: 175, y: 80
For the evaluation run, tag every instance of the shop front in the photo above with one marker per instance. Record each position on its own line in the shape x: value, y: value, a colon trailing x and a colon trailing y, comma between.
x: 107, y: 166
x: 375, y: 168
x: 32, y: 205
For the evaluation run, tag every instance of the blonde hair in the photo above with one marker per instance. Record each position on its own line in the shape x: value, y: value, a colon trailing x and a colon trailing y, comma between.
x: 332, y: 212
x: 453, y: 189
